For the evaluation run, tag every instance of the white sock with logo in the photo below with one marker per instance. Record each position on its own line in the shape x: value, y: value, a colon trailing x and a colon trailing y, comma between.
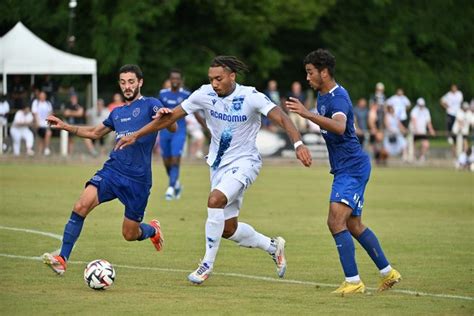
x: 214, y: 229
x: 246, y: 236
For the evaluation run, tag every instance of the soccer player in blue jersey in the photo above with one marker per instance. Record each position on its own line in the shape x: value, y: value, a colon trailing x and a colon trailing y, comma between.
x: 350, y: 166
x: 126, y: 175
x: 171, y: 144
x: 233, y: 115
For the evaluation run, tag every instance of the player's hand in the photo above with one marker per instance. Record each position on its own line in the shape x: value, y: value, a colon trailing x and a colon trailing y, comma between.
x: 161, y: 112
x: 125, y: 141
x: 304, y: 155
x: 54, y: 122
x: 294, y: 105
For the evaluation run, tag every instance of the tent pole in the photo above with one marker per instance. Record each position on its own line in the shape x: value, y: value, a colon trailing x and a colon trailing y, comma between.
x: 94, y: 93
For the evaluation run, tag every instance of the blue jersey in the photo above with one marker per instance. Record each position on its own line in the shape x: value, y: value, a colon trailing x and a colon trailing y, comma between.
x: 171, y: 99
x: 345, y: 152
x: 134, y: 161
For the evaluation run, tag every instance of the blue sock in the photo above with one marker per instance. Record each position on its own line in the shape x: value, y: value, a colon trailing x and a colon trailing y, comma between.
x: 371, y: 244
x: 174, y: 174
x: 147, y: 231
x: 346, y: 249
x: 71, y: 233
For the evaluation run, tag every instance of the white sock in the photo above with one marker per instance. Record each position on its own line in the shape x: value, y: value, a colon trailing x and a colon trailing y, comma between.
x: 246, y: 236
x: 354, y: 279
x: 214, y: 229
x: 386, y: 270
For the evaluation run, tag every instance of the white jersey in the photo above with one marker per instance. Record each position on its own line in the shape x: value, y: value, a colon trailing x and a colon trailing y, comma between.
x: 400, y: 104
x: 43, y: 109
x: 233, y: 121
x: 421, y: 117
x: 454, y: 101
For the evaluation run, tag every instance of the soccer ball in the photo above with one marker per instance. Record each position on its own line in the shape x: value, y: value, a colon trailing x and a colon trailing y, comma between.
x: 99, y: 274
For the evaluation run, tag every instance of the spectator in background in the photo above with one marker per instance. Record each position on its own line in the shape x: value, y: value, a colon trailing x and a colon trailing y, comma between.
x: 462, y: 124
x: 400, y: 104
x: 94, y: 118
x: 394, y: 142
x: 420, y: 126
x: 18, y: 93
x: 451, y: 102
x: 274, y: 95
x: 50, y: 86
x: 297, y: 92
x: 73, y: 115
x: 41, y: 109
x: 116, y: 102
x: 196, y: 135
x: 4, y: 110
x: 20, y: 129
x: 361, y: 115
x: 375, y: 125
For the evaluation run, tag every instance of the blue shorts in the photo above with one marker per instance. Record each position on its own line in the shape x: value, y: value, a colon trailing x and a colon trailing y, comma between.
x: 171, y: 144
x: 349, y: 189
x: 134, y: 195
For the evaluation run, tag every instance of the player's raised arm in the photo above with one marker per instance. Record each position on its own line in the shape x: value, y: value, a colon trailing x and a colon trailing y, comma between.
x: 277, y: 116
x: 91, y: 132
x: 164, y: 120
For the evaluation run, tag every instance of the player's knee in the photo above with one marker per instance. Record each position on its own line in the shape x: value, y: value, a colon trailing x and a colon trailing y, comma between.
x: 335, y: 225
x: 129, y: 235
x: 81, y: 208
x: 216, y: 201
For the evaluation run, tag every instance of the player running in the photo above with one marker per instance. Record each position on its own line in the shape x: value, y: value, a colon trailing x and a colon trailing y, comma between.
x: 351, y: 168
x: 171, y: 144
x: 126, y: 175
x: 232, y: 112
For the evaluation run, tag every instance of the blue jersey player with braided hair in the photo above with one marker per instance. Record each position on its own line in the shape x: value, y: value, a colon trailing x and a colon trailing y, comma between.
x: 126, y: 175
x: 350, y: 166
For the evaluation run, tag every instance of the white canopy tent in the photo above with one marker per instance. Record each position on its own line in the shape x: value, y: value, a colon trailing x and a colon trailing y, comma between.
x: 22, y: 52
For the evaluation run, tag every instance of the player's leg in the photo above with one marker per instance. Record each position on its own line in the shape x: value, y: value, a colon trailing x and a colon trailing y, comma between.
x: 369, y: 241
x: 214, y: 228
x: 134, y: 195
x: 177, y: 145
x: 86, y: 203
x: 165, y: 150
x: 47, y: 140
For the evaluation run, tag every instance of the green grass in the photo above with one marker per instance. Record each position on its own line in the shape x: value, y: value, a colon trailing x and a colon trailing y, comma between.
x: 423, y: 218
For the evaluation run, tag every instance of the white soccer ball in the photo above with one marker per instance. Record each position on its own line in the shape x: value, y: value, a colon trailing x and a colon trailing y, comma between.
x: 99, y: 274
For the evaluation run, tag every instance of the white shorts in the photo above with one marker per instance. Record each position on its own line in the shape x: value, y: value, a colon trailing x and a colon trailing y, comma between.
x: 232, y: 180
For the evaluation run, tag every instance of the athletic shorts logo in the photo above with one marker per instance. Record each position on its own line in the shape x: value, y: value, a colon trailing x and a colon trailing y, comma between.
x: 136, y: 112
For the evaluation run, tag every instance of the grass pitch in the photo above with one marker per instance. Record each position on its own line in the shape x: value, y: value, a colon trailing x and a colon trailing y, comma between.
x: 423, y: 218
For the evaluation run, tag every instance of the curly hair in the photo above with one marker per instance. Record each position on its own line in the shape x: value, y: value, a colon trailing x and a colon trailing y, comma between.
x: 321, y: 59
x: 133, y: 69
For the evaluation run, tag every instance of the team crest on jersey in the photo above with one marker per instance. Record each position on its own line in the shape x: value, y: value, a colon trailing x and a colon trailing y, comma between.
x: 155, y: 108
x: 323, y: 110
x: 237, y: 102
x: 136, y: 112
x: 116, y: 117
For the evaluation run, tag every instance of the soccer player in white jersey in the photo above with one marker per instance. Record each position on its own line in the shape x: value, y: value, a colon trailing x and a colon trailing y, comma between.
x: 232, y: 112
x: 350, y: 166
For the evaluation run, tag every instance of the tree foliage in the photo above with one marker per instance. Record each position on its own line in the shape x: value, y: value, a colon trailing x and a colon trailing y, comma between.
x: 421, y: 46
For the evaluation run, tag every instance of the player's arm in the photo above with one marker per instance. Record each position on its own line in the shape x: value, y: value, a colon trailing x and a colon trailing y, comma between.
x: 164, y: 111
x: 336, y: 124
x: 91, y: 132
x: 163, y: 121
x: 277, y: 116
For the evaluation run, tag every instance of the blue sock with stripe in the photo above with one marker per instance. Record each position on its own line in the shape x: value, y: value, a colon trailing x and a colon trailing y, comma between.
x: 371, y: 244
x: 147, y: 231
x: 72, y: 230
x: 346, y: 249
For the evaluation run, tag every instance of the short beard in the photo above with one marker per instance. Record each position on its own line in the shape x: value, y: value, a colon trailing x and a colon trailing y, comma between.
x: 134, y: 95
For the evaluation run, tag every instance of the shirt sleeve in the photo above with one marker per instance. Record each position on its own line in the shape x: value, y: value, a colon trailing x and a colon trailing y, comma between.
x: 194, y: 102
x: 109, y: 122
x: 339, y: 105
x: 261, y: 102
